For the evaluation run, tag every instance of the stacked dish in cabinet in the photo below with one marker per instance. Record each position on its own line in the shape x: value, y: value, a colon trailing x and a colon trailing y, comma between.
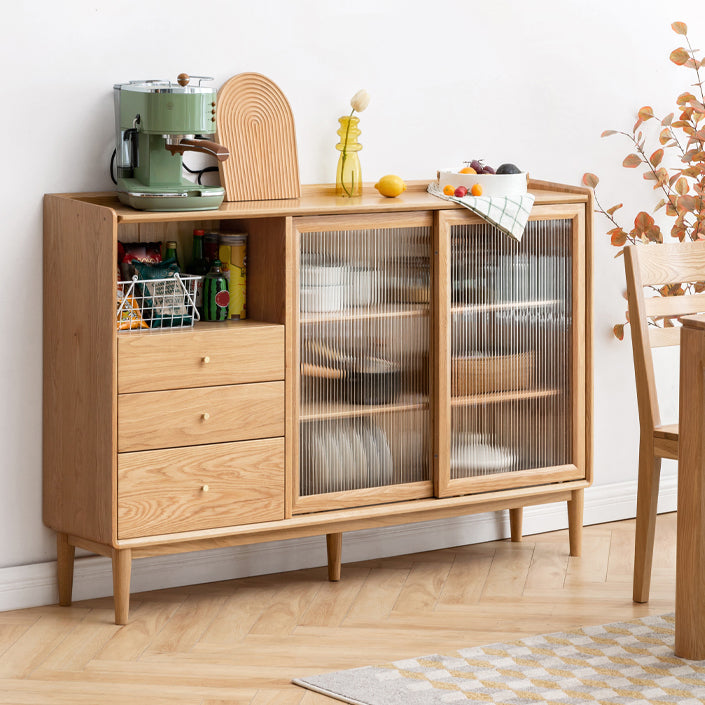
x: 363, y: 353
x: 511, y: 309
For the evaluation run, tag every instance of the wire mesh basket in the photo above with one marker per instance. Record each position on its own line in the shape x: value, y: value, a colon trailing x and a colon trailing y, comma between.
x: 144, y: 304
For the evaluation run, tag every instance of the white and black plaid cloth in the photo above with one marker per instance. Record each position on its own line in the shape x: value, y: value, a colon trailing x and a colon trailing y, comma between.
x: 508, y: 213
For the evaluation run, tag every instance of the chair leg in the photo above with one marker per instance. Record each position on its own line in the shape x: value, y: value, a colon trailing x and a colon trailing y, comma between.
x: 65, y: 554
x: 646, y: 505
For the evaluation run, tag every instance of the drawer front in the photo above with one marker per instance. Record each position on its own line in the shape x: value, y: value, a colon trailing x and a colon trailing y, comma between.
x: 202, y: 487
x: 189, y: 417
x: 233, y: 354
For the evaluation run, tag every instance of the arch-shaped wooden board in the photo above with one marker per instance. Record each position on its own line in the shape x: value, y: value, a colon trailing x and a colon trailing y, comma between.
x: 255, y: 122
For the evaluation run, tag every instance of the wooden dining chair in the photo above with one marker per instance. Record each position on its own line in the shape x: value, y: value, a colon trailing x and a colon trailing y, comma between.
x: 652, y: 266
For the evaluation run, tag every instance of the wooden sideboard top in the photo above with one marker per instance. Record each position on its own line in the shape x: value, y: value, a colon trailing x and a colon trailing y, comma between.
x: 321, y: 200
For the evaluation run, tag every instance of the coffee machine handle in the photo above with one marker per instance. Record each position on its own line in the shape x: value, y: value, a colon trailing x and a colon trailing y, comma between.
x: 220, y: 152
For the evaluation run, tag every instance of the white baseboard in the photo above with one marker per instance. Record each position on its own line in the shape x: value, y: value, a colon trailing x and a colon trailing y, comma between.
x: 35, y: 584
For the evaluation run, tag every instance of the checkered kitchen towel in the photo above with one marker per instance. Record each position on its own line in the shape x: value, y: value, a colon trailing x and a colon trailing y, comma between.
x: 508, y: 213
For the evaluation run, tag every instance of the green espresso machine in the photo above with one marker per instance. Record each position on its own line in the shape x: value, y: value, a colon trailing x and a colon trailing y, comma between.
x: 156, y: 122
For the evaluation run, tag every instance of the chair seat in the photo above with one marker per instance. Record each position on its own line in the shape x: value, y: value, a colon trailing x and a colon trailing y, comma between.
x: 667, y: 431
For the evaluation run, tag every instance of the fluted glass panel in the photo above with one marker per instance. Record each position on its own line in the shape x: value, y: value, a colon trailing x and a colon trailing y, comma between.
x: 364, y: 340
x: 510, y: 348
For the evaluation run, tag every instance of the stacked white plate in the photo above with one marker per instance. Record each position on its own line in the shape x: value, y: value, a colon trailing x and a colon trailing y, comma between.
x: 344, y: 456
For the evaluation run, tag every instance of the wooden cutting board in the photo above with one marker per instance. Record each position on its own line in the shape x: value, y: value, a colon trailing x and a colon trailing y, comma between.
x: 255, y: 122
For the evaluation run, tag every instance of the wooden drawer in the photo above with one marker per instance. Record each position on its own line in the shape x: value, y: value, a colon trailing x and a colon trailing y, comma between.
x: 202, y: 487
x: 188, y: 417
x: 208, y: 355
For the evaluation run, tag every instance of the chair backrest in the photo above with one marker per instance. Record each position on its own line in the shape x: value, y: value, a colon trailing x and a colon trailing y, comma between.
x: 656, y: 266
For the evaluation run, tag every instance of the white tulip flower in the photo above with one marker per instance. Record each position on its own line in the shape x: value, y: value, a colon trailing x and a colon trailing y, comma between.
x: 360, y: 100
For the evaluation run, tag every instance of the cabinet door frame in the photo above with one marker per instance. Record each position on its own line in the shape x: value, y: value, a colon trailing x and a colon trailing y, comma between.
x: 576, y: 470
x: 368, y: 496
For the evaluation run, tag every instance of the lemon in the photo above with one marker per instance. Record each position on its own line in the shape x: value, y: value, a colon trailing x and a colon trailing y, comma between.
x: 391, y: 185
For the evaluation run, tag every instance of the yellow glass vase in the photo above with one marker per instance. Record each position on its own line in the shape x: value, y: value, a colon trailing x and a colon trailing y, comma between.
x: 348, y: 179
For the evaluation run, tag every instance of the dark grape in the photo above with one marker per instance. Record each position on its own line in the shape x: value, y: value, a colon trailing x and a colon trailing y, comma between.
x: 487, y: 170
x: 476, y: 165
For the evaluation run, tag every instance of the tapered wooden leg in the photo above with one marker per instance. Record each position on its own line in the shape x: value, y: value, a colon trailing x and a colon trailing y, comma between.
x: 122, y: 568
x: 65, y: 554
x: 575, y: 522
x: 516, y: 518
x: 334, y: 545
x: 646, y: 507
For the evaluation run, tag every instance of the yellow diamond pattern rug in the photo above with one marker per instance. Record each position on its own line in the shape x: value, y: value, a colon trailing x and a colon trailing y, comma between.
x: 625, y: 663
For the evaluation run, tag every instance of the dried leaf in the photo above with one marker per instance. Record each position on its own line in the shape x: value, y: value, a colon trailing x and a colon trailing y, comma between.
x: 667, y: 120
x: 660, y: 204
x: 646, y: 113
x: 621, y: 252
x: 680, y: 27
x: 679, y: 56
x: 656, y: 157
x: 617, y: 237
x: 631, y: 161
x: 612, y: 210
x: 681, y: 186
x: 607, y: 133
x: 664, y: 136
x: 679, y: 232
x: 689, y: 156
x: 618, y: 331
x: 650, y: 176
x: 643, y: 221
x: 686, y: 204
x: 590, y: 180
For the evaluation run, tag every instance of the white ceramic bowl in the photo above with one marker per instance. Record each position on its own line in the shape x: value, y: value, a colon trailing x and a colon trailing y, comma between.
x: 492, y: 184
x: 317, y: 299
x: 321, y: 275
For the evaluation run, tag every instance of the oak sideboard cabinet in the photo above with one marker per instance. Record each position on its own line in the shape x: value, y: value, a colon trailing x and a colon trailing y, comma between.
x: 402, y: 361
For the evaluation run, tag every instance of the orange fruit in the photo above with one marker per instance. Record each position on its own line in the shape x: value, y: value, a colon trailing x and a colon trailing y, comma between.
x: 448, y: 190
x: 476, y: 190
x: 467, y: 170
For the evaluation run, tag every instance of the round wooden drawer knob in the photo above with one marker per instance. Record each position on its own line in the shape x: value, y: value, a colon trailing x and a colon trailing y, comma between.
x: 205, y: 416
x: 205, y: 360
x: 205, y: 488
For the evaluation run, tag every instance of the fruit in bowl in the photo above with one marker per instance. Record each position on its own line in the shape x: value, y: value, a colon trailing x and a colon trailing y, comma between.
x: 508, y: 169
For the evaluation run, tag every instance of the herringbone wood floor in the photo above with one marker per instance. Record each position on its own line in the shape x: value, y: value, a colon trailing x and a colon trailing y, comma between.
x: 240, y: 642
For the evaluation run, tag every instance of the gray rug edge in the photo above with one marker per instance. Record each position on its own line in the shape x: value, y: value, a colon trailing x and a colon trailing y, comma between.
x: 336, y: 696
x: 303, y: 682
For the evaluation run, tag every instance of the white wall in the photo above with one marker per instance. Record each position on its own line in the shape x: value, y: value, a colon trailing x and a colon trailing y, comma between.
x: 532, y: 83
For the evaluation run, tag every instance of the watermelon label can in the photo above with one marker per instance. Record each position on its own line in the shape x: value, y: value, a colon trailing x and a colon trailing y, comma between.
x: 216, y: 295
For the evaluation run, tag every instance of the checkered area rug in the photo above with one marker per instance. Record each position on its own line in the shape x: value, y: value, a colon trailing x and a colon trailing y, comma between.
x: 626, y: 663
x: 508, y: 213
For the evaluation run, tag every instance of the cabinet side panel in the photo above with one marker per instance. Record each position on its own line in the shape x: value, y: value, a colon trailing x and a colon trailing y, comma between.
x: 79, y: 371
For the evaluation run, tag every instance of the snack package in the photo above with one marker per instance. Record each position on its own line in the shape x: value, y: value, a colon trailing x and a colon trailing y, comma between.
x: 128, y: 313
x: 163, y: 297
x: 129, y: 252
